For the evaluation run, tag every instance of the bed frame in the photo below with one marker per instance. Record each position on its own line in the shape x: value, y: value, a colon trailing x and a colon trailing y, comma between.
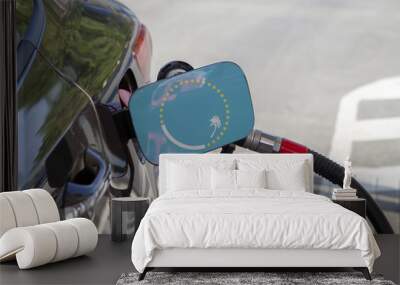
x: 242, y: 259
x: 245, y: 259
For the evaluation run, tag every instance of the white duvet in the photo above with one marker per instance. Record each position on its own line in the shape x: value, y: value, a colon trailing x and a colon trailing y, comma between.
x: 250, y: 219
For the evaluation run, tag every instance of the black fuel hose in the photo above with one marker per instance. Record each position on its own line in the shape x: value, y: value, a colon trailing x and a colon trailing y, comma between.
x: 334, y: 172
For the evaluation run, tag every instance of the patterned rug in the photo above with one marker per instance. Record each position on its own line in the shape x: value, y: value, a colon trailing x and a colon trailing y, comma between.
x: 229, y: 278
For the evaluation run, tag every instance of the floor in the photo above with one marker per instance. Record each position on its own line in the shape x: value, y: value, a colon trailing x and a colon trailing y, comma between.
x: 110, y: 260
x: 103, y: 266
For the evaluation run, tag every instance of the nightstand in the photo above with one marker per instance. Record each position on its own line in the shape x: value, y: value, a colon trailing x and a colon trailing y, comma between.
x: 357, y: 205
x: 126, y: 214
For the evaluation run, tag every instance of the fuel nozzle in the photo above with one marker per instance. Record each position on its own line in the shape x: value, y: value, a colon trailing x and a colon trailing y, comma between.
x: 266, y: 143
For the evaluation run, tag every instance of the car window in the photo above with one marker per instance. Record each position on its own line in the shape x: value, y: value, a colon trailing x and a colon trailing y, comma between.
x: 87, y: 40
x: 46, y: 107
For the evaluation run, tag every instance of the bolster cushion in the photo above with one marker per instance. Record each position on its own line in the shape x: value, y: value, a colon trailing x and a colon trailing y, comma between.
x: 40, y: 244
x: 26, y: 208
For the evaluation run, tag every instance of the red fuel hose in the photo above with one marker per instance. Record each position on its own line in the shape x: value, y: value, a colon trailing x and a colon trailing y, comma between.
x: 288, y: 146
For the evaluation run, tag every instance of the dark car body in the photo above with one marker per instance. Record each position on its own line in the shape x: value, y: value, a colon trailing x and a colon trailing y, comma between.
x: 72, y: 59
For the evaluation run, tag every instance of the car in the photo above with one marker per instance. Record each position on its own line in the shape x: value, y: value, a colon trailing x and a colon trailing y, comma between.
x: 78, y: 62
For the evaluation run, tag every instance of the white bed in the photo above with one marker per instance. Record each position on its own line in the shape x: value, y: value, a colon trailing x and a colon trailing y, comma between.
x: 248, y: 227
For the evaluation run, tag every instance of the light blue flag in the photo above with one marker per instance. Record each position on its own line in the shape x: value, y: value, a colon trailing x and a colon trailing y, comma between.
x: 194, y: 112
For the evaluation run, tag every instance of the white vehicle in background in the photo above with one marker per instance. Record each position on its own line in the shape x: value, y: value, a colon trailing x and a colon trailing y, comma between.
x: 369, y: 120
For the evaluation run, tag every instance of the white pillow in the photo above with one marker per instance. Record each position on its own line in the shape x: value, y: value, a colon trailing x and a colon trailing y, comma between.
x: 236, y: 179
x: 182, y: 178
x: 187, y: 175
x: 251, y: 178
x: 281, y: 174
x: 223, y: 179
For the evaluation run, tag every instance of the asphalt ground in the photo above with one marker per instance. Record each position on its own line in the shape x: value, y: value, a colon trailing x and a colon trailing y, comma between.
x: 323, y: 73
